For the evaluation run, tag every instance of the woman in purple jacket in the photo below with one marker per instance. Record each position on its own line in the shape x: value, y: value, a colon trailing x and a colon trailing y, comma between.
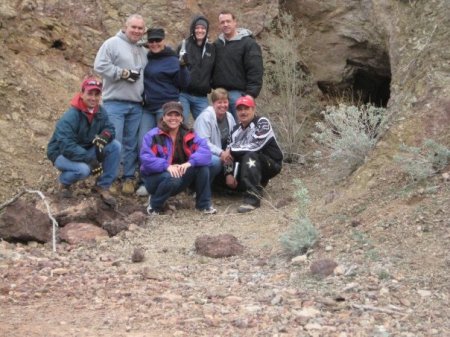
x: 174, y: 158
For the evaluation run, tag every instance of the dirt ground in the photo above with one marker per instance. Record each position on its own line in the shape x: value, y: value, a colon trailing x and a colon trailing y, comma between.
x: 392, y: 277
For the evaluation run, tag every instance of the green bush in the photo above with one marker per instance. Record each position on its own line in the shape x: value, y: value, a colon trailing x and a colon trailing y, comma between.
x: 287, y: 92
x: 302, y: 235
x: 350, y: 132
x: 423, y: 162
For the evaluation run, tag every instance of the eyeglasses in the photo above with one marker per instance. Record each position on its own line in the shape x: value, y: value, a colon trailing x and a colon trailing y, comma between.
x: 95, y: 83
x: 155, y: 40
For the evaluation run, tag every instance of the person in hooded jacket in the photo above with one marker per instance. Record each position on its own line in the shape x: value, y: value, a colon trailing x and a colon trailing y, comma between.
x: 239, y: 64
x: 83, y: 143
x: 120, y: 61
x: 200, y: 54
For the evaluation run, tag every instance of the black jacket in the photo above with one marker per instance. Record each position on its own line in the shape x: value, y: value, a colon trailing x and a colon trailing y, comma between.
x: 201, y: 62
x: 239, y: 64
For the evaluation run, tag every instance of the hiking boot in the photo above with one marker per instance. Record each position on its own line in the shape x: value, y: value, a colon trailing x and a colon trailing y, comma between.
x: 142, y: 191
x: 245, y: 208
x: 128, y: 186
x: 65, y: 191
x: 208, y: 211
x: 106, y: 196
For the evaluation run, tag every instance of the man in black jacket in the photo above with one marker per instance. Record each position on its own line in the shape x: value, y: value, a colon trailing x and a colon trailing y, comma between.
x: 200, y: 54
x: 256, y: 154
x: 239, y: 65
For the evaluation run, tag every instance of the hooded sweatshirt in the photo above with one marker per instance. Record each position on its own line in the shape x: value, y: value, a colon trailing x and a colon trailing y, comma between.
x: 116, y: 54
x: 201, y: 61
x: 239, y: 64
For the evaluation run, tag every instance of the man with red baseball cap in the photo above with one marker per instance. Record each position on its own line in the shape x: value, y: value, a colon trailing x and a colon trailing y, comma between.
x: 83, y: 143
x: 256, y: 154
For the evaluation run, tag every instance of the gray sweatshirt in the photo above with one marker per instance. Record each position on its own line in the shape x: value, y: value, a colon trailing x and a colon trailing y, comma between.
x: 206, y: 127
x: 115, y: 54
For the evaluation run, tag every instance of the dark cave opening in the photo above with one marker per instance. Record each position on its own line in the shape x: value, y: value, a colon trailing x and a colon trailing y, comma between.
x: 59, y: 44
x: 363, y: 84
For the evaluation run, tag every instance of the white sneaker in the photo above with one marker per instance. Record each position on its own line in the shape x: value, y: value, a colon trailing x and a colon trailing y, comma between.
x: 142, y: 191
x: 209, y: 210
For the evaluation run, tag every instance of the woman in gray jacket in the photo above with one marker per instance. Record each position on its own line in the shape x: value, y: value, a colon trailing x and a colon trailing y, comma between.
x: 215, y: 124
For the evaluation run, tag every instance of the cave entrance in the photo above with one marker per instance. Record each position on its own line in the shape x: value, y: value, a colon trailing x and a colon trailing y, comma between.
x: 362, y: 83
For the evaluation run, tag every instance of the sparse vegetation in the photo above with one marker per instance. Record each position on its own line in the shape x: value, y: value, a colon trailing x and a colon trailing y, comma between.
x: 350, y: 132
x: 423, y: 162
x: 302, y: 235
x: 288, y: 88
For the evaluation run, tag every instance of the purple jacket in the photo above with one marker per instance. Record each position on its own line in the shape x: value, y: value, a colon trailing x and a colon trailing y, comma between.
x: 157, y: 150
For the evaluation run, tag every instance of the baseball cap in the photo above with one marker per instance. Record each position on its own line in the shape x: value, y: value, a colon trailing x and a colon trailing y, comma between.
x: 155, y: 34
x: 246, y: 100
x: 172, y: 107
x: 91, y: 83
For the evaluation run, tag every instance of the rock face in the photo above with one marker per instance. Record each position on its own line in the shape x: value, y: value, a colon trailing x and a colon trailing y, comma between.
x: 23, y: 222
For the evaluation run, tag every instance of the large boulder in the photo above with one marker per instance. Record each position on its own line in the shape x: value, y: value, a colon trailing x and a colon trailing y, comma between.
x: 223, y: 245
x: 22, y: 222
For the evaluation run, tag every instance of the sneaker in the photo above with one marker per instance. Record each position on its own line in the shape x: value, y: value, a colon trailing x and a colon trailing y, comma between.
x: 245, y: 208
x: 209, y: 210
x: 65, y: 191
x: 153, y: 211
x: 106, y: 196
x: 142, y: 191
x: 128, y: 186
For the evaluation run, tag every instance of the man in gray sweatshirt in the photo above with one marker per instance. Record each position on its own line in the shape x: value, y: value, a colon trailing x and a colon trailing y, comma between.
x: 121, y: 61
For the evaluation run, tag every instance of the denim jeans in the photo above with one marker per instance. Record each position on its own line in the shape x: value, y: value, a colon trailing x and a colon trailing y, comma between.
x: 72, y: 171
x: 161, y: 186
x: 194, y: 104
x: 233, y: 96
x: 149, y: 120
x: 215, y: 167
x: 126, y: 116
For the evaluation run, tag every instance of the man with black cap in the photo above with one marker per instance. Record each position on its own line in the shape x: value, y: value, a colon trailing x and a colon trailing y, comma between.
x: 83, y: 143
x: 200, y: 55
x: 256, y: 154
x: 174, y: 158
x: 121, y: 61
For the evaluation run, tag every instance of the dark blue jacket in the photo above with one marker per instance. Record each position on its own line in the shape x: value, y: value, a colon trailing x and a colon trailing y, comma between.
x: 163, y: 79
x: 74, y: 134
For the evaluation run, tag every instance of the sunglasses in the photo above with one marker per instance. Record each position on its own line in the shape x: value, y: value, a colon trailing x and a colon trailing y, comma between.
x: 95, y: 83
x: 154, y: 40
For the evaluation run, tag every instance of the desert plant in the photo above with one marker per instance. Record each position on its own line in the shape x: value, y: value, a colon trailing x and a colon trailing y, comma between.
x: 302, y: 235
x: 287, y: 91
x: 424, y: 161
x: 350, y: 132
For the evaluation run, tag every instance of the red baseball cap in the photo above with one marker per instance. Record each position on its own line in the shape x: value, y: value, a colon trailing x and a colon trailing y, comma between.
x: 91, y: 83
x: 246, y: 100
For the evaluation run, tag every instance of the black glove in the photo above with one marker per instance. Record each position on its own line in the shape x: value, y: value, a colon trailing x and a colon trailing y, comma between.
x: 96, y: 167
x: 100, y: 142
x: 130, y: 75
x: 184, y: 61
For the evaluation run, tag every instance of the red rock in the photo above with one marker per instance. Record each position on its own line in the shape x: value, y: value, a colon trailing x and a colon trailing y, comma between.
x: 76, y: 232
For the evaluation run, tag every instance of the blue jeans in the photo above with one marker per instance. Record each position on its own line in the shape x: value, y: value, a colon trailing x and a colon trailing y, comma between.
x: 215, y: 167
x: 194, y: 104
x: 149, y: 120
x: 161, y: 186
x: 233, y: 96
x: 72, y: 171
x: 126, y: 116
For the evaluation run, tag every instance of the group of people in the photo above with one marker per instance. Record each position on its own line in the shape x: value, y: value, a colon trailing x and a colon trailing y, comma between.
x: 149, y: 92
